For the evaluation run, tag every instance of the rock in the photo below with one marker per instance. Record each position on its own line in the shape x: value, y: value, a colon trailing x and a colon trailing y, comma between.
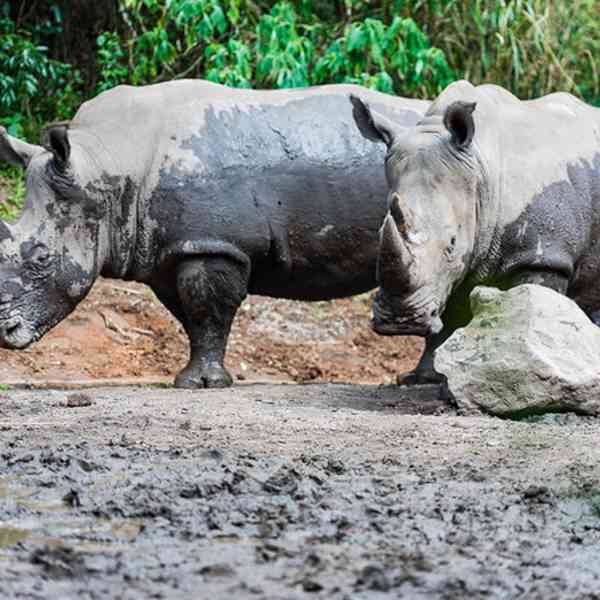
x: 526, y: 351
x: 78, y: 400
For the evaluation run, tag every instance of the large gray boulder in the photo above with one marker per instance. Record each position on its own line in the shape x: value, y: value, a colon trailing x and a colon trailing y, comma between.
x: 527, y: 350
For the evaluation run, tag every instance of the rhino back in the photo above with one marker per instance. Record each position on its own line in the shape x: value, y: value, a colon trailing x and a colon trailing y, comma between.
x: 284, y: 176
x: 552, y: 164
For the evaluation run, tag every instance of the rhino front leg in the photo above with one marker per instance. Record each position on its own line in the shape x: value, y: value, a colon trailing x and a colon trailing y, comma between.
x: 210, y: 290
x: 550, y: 279
x: 424, y: 371
x: 457, y: 314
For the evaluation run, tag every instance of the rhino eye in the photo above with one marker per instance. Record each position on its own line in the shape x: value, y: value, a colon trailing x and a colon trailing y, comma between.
x: 451, y: 247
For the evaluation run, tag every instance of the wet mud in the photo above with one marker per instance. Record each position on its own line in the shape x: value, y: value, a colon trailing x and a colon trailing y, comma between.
x: 285, y: 491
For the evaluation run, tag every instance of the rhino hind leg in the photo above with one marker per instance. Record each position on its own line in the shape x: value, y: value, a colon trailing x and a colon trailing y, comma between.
x: 209, y: 291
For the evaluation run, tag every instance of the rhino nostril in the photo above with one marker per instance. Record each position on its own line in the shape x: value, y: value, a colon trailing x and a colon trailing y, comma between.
x: 12, y: 328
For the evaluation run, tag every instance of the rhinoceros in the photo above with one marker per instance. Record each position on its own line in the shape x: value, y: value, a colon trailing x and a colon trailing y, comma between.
x: 204, y: 193
x: 485, y: 189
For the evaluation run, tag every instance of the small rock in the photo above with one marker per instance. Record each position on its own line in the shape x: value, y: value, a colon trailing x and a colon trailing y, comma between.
x: 284, y: 481
x: 78, y: 400
x: 526, y: 351
x: 59, y: 562
x: 72, y: 499
x: 310, y: 585
x: 373, y: 578
x: 217, y: 570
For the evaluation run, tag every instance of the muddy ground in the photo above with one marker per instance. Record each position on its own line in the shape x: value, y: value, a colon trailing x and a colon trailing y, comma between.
x: 345, y: 492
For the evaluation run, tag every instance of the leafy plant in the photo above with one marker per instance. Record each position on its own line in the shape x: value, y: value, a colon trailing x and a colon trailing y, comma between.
x: 390, y: 58
x: 284, y: 55
x: 531, y: 47
x: 230, y: 64
x: 111, y: 61
x: 13, y: 181
x: 30, y: 81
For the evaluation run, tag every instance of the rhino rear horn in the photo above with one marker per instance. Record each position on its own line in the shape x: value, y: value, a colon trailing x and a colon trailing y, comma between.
x: 458, y: 120
x: 15, y: 151
x: 373, y: 125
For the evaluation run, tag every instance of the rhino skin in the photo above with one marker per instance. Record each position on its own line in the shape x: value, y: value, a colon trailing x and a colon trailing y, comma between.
x: 486, y: 190
x: 204, y: 193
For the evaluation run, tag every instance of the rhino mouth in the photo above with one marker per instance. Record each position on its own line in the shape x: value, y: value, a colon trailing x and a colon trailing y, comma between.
x: 389, y: 318
x: 14, y: 334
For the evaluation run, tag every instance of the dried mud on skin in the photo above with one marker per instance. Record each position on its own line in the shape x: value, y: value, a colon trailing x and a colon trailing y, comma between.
x: 284, y: 492
x: 121, y: 330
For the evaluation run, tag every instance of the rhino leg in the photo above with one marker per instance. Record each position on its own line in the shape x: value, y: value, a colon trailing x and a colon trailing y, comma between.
x: 424, y: 371
x: 457, y: 314
x: 209, y: 292
x: 550, y: 279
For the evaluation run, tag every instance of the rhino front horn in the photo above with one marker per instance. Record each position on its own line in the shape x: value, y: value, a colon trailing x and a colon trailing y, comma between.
x: 394, y: 261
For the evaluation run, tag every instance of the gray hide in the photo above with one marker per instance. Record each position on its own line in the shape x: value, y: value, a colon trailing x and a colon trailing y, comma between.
x: 204, y: 193
x: 486, y: 189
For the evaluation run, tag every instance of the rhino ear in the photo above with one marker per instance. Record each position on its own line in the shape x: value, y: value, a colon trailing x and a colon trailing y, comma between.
x: 458, y: 120
x: 373, y: 125
x: 56, y: 139
x: 15, y: 151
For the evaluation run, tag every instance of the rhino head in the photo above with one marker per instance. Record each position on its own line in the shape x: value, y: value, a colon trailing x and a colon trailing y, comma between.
x: 428, y: 236
x: 50, y: 257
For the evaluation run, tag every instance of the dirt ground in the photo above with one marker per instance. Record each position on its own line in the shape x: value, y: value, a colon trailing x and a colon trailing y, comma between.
x: 348, y: 492
x: 121, y: 330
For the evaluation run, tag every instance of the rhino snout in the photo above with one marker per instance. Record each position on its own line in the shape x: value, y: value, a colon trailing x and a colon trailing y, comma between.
x: 14, y: 334
x: 392, y: 316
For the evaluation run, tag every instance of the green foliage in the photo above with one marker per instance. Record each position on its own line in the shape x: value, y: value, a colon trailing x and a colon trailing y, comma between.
x: 110, y: 60
x: 30, y: 81
x: 282, y: 44
x: 12, y: 181
x: 388, y: 58
x: 284, y: 55
x: 531, y: 47
x: 229, y: 64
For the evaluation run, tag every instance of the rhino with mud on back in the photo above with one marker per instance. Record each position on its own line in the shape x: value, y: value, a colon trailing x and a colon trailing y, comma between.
x: 205, y: 194
x: 485, y: 189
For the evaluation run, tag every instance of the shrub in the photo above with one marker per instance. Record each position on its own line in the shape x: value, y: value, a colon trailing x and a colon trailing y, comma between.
x: 32, y: 85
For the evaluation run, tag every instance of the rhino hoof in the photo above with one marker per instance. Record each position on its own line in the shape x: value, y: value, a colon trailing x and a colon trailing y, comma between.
x: 207, y: 377
x: 420, y: 378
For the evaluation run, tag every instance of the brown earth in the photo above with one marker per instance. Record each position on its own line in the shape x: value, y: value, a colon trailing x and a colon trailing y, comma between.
x: 122, y: 331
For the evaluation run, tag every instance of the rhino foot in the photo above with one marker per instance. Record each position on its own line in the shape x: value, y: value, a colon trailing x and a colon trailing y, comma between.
x: 420, y: 378
x: 213, y: 376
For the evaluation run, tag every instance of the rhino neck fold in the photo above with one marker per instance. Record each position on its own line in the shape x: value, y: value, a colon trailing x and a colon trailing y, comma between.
x: 486, y: 224
x: 122, y: 223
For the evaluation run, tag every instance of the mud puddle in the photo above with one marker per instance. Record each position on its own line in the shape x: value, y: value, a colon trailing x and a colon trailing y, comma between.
x: 283, y: 492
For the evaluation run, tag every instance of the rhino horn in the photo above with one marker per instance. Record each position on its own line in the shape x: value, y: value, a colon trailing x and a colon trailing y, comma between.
x: 395, y: 260
x: 16, y: 152
x: 5, y: 231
